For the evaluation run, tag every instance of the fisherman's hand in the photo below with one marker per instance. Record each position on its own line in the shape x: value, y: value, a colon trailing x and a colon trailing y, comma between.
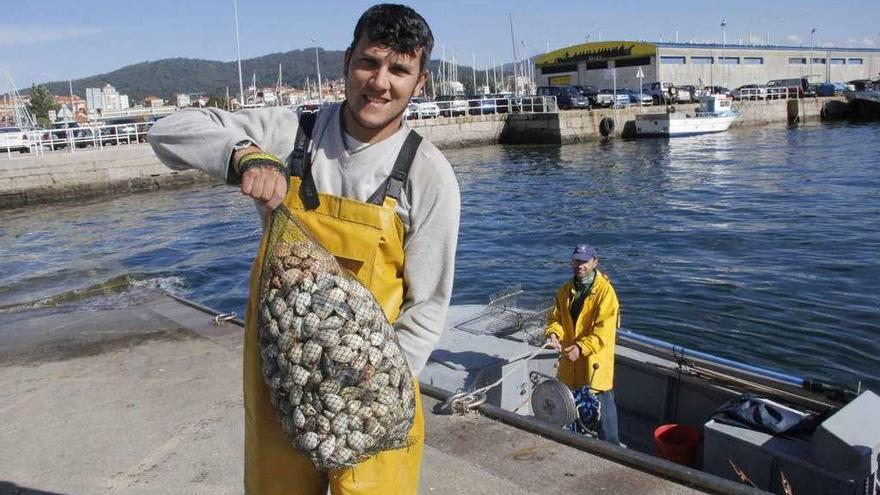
x: 553, y: 341
x: 262, y: 178
x: 572, y: 352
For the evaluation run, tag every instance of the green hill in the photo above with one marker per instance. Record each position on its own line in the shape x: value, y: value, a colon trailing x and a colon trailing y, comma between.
x: 167, y: 77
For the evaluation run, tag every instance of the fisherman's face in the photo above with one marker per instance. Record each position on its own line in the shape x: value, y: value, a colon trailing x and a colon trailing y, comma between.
x: 583, y: 268
x: 378, y: 86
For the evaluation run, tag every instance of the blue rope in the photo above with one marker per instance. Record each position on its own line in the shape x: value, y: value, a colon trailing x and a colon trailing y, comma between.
x: 589, y: 411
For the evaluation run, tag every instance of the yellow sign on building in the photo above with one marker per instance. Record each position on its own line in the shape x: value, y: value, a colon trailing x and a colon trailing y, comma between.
x: 595, y: 52
x: 560, y: 81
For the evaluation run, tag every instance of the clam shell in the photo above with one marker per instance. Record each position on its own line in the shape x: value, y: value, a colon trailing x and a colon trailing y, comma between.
x: 290, y: 278
x: 299, y: 375
x: 322, y: 424
x: 375, y: 356
x: 329, y: 386
x: 353, y: 406
x: 311, y: 324
x: 339, y: 425
x: 353, y: 341
x: 294, y: 396
x: 299, y: 419
x: 355, y: 423
x: 326, y: 338
x: 341, y: 354
x: 326, y: 448
x: 334, y: 402
x: 316, y: 377
x: 342, y: 454
x: 302, y: 303
x: 311, y: 353
x: 389, y: 350
x: 358, y: 362
x: 308, y: 441
x: 350, y: 327
x: 295, y: 353
x: 277, y: 307
x: 377, y: 339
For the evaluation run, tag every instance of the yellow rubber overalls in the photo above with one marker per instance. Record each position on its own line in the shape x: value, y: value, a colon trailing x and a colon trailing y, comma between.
x: 368, y: 240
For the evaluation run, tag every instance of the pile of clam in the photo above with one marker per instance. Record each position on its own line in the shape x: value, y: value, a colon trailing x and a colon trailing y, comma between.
x: 337, y: 376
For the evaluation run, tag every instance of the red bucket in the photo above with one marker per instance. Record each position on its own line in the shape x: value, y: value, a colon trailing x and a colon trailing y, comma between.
x: 677, y: 443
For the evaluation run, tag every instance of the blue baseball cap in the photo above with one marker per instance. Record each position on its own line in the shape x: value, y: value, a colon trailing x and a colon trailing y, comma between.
x: 584, y: 252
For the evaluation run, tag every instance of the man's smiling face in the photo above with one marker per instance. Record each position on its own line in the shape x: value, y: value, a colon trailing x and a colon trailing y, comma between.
x: 378, y: 86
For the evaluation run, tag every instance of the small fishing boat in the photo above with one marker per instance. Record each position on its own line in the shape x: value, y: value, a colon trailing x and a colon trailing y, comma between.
x: 491, y: 356
x: 715, y: 114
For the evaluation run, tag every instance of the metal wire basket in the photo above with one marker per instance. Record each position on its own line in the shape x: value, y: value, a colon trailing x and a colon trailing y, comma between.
x: 504, y: 317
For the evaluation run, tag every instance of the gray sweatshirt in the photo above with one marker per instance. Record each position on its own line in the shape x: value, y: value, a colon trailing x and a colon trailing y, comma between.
x: 429, y: 204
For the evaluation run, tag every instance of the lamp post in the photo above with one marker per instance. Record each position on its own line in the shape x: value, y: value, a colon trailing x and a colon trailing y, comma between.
x: 810, y: 77
x: 723, y: 42
x: 318, y: 65
x: 238, y: 50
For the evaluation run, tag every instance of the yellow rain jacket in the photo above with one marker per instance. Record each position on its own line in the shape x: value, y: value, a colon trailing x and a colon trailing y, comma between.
x: 368, y: 240
x: 594, y: 333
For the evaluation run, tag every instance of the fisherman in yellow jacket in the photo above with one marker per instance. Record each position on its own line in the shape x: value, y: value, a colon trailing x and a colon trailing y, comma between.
x: 583, y: 328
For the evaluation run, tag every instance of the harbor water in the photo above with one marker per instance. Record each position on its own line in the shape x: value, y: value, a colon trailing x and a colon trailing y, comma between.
x: 758, y: 245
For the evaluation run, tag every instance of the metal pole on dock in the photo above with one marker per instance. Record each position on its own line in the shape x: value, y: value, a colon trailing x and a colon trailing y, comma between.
x: 810, y: 77
x: 238, y: 51
x: 723, y: 42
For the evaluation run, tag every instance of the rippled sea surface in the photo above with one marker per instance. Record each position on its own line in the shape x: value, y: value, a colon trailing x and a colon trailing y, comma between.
x: 759, y: 245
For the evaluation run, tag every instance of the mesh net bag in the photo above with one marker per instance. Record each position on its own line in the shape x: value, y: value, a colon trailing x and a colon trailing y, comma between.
x: 336, y: 373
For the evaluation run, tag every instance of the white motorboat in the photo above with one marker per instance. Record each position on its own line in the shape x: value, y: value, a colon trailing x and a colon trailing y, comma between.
x: 714, y: 115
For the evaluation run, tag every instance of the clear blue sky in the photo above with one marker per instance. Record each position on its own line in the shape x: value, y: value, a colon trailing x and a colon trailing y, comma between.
x: 43, y: 40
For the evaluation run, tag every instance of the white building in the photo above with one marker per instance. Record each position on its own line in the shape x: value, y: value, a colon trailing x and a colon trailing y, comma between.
x: 105, y: 99
x: 730, y: 65
x: 183, y: 101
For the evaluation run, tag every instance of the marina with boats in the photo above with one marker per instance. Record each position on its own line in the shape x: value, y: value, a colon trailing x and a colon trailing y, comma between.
x: 744, y: 348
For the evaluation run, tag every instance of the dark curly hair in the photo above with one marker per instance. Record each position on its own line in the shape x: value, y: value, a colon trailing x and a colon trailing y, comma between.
x: 399, y: 27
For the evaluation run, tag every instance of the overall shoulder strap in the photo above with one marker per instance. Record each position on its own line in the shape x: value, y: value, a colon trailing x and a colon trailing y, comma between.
x: 300, y: 163
x: 392, y: 186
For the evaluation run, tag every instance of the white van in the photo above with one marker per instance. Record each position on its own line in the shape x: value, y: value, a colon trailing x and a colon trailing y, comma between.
x: 666, y: 92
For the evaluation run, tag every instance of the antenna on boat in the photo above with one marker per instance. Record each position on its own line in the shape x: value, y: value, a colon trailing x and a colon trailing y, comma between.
x: 238, y: 51
x: 515, y: 57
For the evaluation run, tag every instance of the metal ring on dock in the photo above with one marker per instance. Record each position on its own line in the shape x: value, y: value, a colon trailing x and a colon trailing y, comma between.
x: 221, y: 318
x: 464, y: 402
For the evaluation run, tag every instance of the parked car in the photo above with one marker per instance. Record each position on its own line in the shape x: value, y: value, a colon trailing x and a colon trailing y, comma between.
x: 718, y: 90
x: 567, y: 97
x: 421, y: 108
x: 750, y: 92
x: 794, y: 87
x: 590, y: 92
x: 694, y: 92
x: 14, y: 139
x: 666, y: 92
x: 636, y: 97
x: 452, y: 105
x: 481, y: 105
x: 115, y: 135
x: 619, y: 99
x: 504, y: 102
x: 840, y: 87
x: 64, y: 133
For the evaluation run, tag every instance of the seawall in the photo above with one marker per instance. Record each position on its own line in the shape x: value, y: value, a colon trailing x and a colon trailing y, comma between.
x: 132, y: 168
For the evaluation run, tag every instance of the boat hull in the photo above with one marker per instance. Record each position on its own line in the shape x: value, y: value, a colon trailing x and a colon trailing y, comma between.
x: 669, y: 125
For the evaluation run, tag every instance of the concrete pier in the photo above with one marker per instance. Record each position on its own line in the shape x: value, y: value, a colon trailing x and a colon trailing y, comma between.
x: 148, y: 400
x: 130, y: 168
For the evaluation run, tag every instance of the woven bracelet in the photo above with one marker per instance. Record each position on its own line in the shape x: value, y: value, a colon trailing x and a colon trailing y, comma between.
x: 260, y: 160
